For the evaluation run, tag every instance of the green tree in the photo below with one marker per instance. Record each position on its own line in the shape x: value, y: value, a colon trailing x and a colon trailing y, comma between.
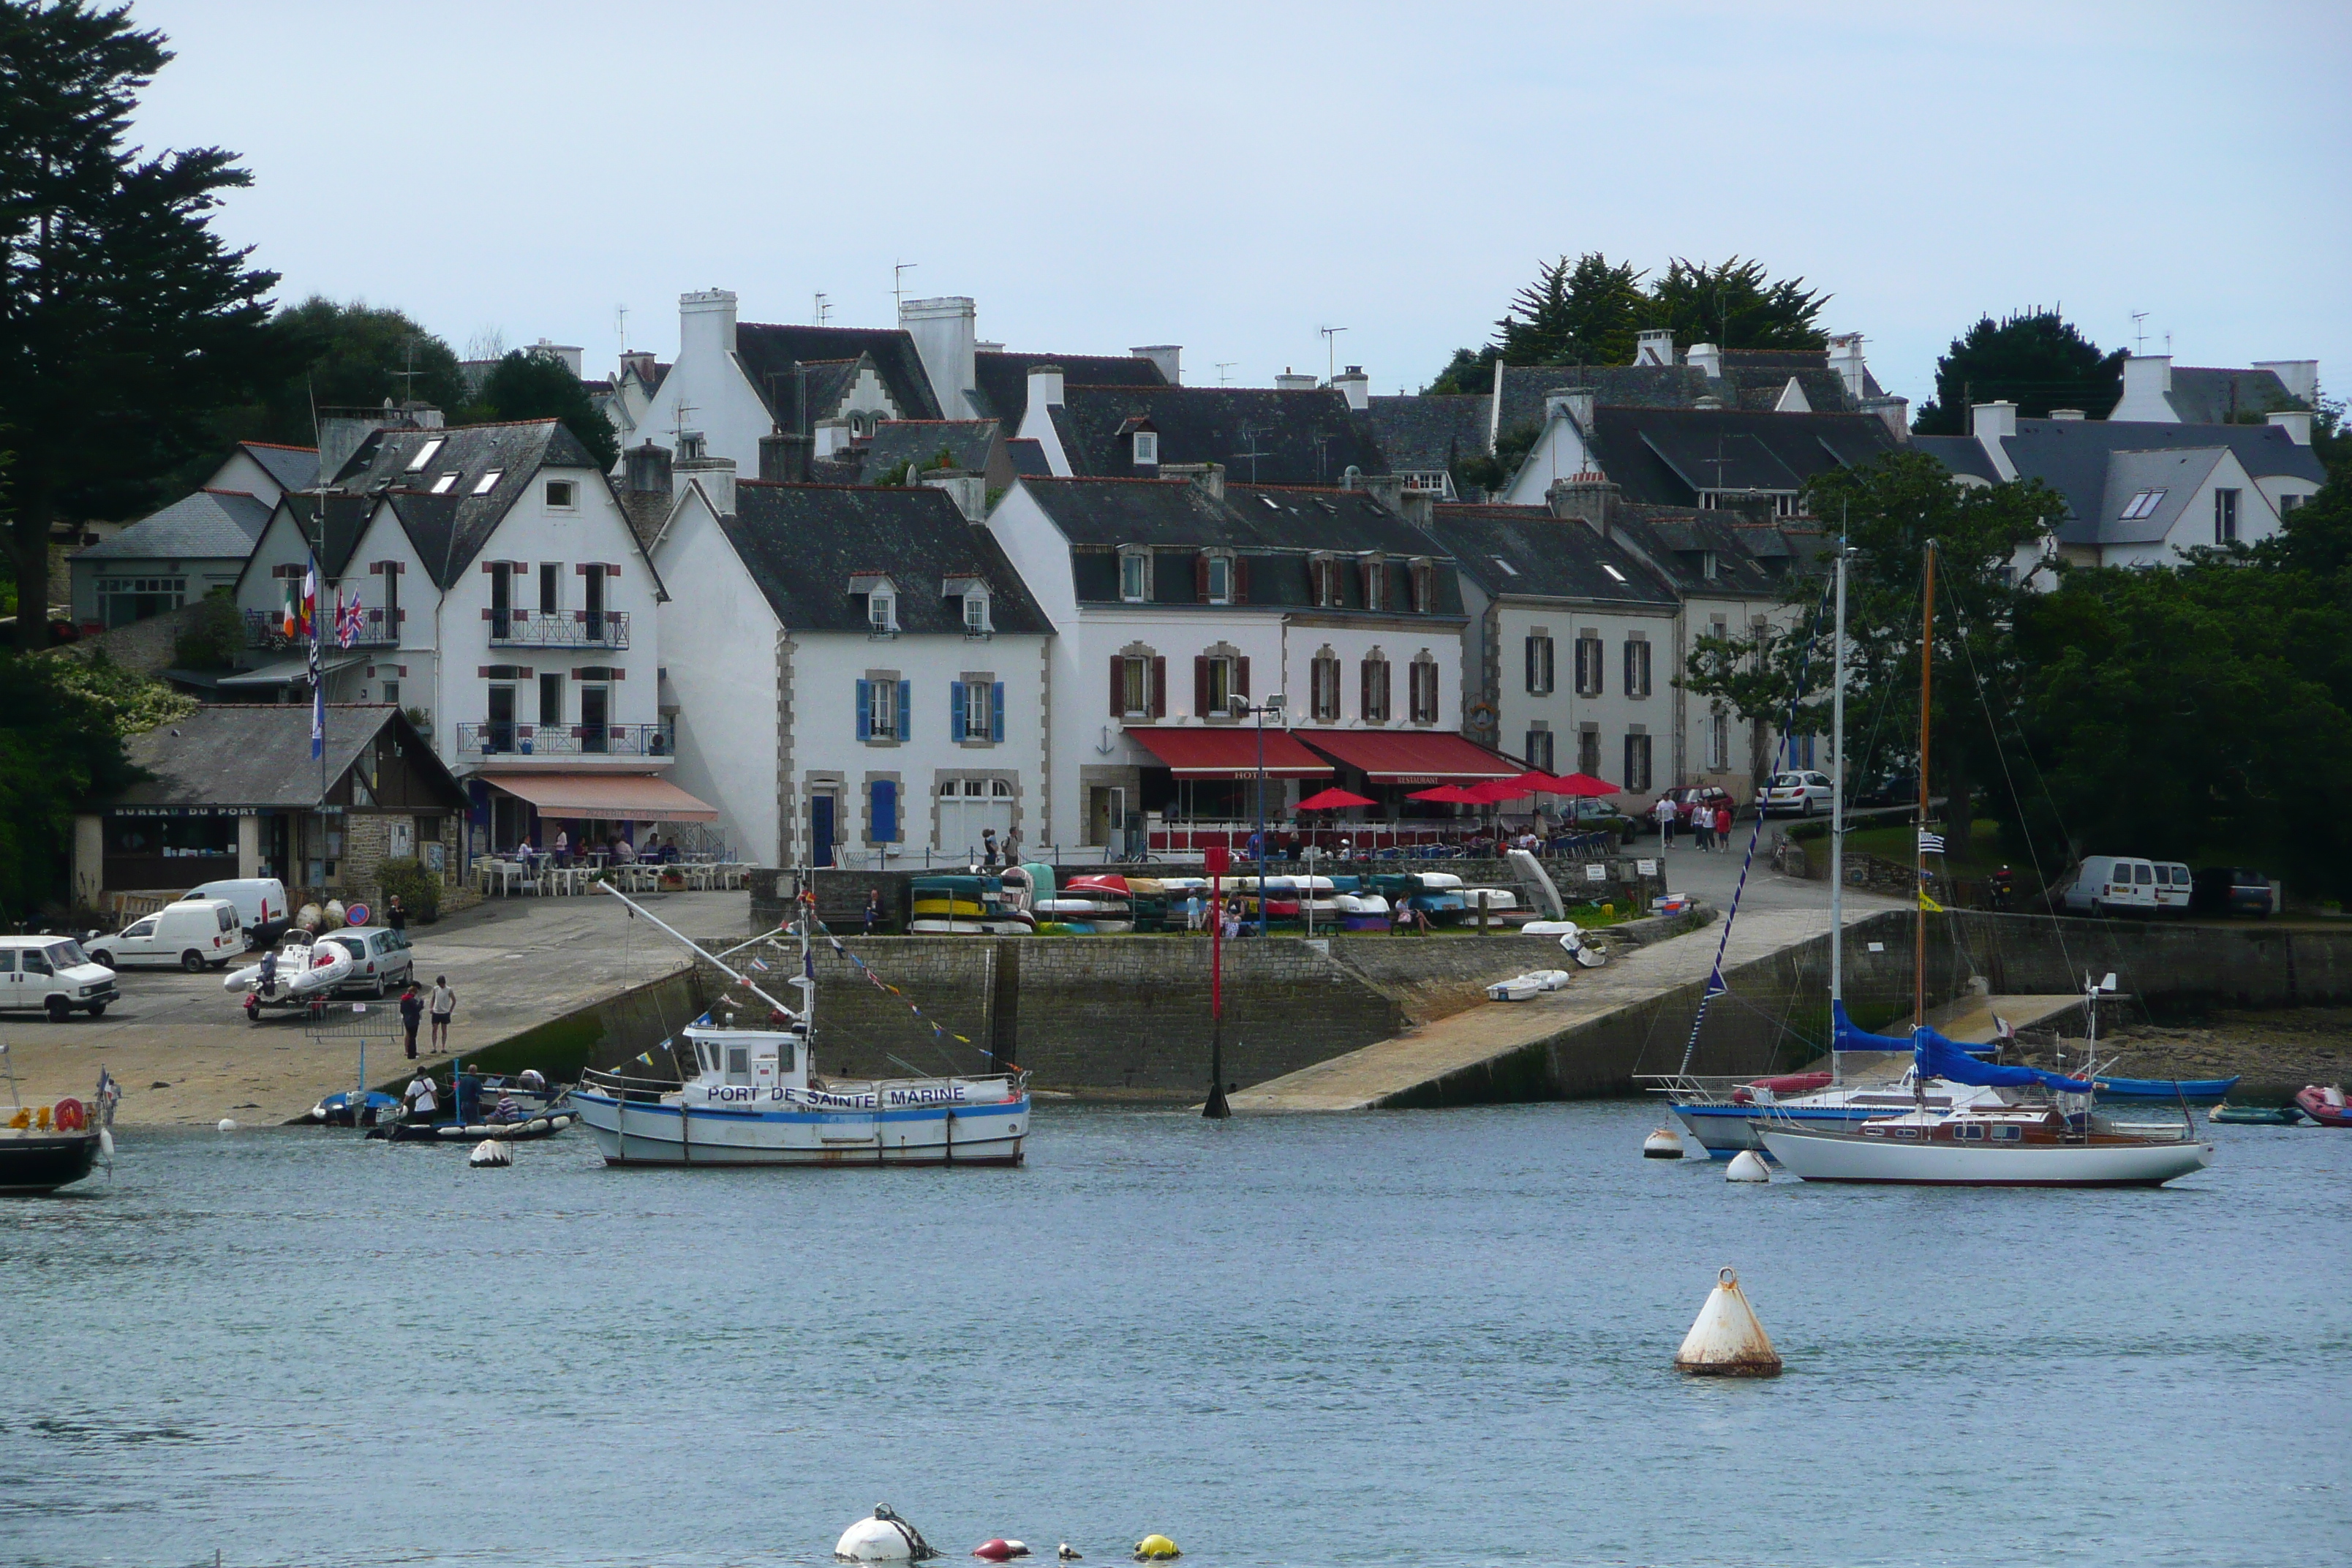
x: 1889, y: 511
x: 1584, y: 311
x: 124, y: 320
x: 1734, y: 305
x: 62, y: 724
x: 1469, y: 371
x: 2035, y: 359
x: 533, y: 386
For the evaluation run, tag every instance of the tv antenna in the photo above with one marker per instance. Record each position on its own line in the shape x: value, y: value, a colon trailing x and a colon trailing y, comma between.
x: 408, y: 376
x: 1249, y: 435
x: 899, y: 281
x: 677, y: 423
x: 1331, y: 350
x: 2139, y: 332
x: 823, y: 308
x: 621, y: 325
x: 1223, y: 365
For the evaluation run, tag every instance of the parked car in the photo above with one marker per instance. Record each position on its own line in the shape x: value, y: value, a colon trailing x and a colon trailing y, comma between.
x: 192, y: 934
x: 2112, y: 885
x: 54, y: 975
x: 382, y: 960
x: 2172, y: 889
x: 2230, y: 891
x: 1586, y: 815
x: 260, y: 905
x: 1895, y: 789
x: 1803, y: 792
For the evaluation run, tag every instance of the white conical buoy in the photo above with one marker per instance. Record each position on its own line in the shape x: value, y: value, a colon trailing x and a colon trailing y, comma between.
x: 1728, y: 1340
x: 1748, y: 1165
x: 1665, y: 1143
x: 884, y: 1538
x: 229, y: 1124
x: 490, y: 1153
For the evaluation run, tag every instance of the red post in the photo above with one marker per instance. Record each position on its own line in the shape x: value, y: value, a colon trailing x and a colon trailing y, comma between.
x: 1216, y: 860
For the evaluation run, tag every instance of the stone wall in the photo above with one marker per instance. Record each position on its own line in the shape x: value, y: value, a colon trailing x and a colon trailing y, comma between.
x: 145, y: 646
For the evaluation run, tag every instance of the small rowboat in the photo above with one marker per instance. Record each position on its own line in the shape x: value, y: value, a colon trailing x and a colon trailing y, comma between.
x: 2199, y: 1089
x: 2256, y: 1115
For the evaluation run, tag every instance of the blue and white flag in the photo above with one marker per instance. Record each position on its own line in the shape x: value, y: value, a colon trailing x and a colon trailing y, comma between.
x: 1930, y: 843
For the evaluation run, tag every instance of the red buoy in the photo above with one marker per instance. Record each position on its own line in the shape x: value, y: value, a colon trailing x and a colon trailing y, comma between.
x: 1000, y: 1550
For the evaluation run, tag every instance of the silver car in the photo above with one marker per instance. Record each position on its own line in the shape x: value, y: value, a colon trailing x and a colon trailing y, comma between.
x: 1804, y: 794
x: 382, y: 960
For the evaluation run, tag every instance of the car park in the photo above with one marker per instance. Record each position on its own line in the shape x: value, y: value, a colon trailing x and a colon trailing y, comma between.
x: 2112, y: 885
x: 382, y: 960
x: 1803, y: 792
x: 2233, y: 890
x: 261, y: 906
x: 52, y: 974
x: 192, y: 934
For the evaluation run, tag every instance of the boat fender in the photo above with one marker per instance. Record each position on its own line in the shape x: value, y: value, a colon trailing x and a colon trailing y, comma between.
x: 884, y: 1538
x: 106, y: 1142
x: 490, y: 1154
x: 1726, y: 1341
x: 1000, y: 1550
x: 69, y: 1117
x: 1155, y: 1548
x: 1665, y: 1143
x: 227, y: 1124
x: 1748, y: 1165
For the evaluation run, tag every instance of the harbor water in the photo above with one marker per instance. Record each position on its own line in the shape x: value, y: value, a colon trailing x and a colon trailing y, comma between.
x: 1427, y: 1339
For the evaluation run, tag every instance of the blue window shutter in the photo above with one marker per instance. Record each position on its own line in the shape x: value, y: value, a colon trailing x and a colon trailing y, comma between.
x: 996, y: 711
x: 955, y: 709
x: 885, y: 794
x: 864, y: 710
x: 906, y: 709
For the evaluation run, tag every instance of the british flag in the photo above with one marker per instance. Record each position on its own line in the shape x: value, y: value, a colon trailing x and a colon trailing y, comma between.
x: 347, y: 618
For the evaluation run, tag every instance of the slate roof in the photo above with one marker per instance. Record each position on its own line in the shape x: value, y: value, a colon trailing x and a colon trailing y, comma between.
x: 1029, y: 456
x: 1752, y: 379
x: 2170, y: 478
x: 345, y: 519
x: 1004, y: 378
x: 450, y: 528
x: 1424, y: 434
x: 205, y: 525
x: 1526, y: 552
x: 293, y: 468
x: 2201, y: 395
x: 259, y: 754
x: 769, y: 353
x: 1305, y: 437
x: 1961, y: 454
x: 968, y: 444
x: 2072, y: 456
x: 1666, y: 456
x: 801, y: 544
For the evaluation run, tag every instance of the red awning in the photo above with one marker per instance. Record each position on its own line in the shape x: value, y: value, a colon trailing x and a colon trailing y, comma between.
x: 1411, y: 756
x: 609, y: 797
x: 1206, y: 754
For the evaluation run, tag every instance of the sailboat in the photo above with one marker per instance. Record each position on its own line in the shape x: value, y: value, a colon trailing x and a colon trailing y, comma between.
x: 753, y: 1096
x: 2021, y: 1126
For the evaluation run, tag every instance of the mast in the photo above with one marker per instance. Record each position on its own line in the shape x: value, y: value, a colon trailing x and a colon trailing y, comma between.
x: 1837, y: 807
x: 1918, y: 850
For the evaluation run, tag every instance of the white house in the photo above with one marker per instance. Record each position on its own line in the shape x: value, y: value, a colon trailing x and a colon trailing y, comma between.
x: 859, y: 674
x: 197, y: 544
x: 1176, y: 598
x: 504, y: 600
x: 2157, y: 392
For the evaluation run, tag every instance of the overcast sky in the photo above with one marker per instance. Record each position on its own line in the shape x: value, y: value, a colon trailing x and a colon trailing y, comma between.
x: 1233, y: 178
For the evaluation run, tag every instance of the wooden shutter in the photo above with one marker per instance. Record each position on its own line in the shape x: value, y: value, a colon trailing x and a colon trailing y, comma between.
x: 1159, y: 687
x: 906, y: 709
x: 1364, y: 695
x: 1201, y: 681
x: 1118, y: 687
x: 1200, y: 579
x: 1532, y: 686
x: 864, y: 710
x: 1241, y: 676
x: 1240, y: 580
x: 996, y: 710
x: 955, y: 709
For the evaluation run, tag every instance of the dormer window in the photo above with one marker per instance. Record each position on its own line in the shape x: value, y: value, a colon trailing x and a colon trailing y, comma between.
x: 1146, y: 449
x: 1323, y: 580
x: 1216, y: 579
x: 1424, y: 588
x: 975, y: 612
x: 1376, y: 584
x: 425, y: 455
x: 881, y: 613
x: 1135, y: 576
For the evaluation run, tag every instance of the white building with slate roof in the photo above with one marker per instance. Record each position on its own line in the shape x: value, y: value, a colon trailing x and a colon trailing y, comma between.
x: 198, y: 543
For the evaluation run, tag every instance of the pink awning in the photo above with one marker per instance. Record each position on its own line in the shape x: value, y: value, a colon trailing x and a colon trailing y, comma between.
x: 608, y: 797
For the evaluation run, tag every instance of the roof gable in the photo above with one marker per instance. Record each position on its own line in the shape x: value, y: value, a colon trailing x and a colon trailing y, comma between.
x: 259, y: 755
x: 293, y: 468
x: 1262, y: 435
x: 220, y: 525
x: 802, y: 545
x: 769, y: 354
x: 2071, y: 456
x: 1004, y: 378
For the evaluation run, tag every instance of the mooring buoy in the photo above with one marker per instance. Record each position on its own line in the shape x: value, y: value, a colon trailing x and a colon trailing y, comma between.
x: 1665, y: 1143
x: 1748, y: 1165
x: 1726, y: 1341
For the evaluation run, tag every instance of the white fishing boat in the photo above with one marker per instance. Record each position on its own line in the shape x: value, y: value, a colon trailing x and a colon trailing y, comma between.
x: 755, y: 1098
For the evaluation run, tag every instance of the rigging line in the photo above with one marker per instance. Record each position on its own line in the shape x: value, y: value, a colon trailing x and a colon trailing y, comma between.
x: 1715, y: 985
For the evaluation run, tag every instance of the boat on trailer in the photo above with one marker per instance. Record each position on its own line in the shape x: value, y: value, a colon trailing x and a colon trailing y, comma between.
x: 755, y: 1098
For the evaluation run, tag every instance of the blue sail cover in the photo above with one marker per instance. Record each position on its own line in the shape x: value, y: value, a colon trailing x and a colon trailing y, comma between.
x: 1844, y: 1036
x: 1936, y: 1057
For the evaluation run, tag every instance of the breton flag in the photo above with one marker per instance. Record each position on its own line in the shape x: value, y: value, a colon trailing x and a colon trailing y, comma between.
x: 1930, y: 843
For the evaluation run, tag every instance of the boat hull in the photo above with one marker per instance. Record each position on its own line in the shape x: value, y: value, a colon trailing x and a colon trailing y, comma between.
x: 42, y: 1163
x: 2167, y: 1090
x: 1725, y: 1130
x: 1819, y: 1155
x: 640, y: 1132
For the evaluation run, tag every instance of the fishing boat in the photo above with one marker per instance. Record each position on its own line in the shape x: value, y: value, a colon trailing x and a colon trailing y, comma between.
x: 51, y: 1146
x: 754, y: 1095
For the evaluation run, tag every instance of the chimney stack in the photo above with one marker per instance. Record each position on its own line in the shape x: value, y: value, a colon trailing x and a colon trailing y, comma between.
x: 1588, y: 498
x: 717, y: 477
x: 644, y: 469
x: 1706, y: 359
x: 946, y: 334
x: 1291, y: 381
x: 1168, y: 357
x: 1897, y: 413
x: 1654, y: 346
x: 1210, y: 477
x: 1846, y: 358
x: 1356, y: 386
x: 706, y: 323
x: 1576, y: 402
x: 1995, y: 421
x: 1045, y: 388
x: 785, y: 457
x: 967, y: 490
x: 2296, y: 422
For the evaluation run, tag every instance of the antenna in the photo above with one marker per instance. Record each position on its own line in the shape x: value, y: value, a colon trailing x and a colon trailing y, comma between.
x: 1331, y: 350
x: 2139, y: 332
x: 823, y: 308
x: 1223, y: 365
x: 621, y: 325
x: 898, y: 281
x: 677, y: 423
x: 408, y: 376
x: 1249, y: 434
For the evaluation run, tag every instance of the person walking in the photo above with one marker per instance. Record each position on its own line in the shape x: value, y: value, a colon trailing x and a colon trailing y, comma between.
x: 1723, y: 823
x: 988, y: 847
x: 1667, y: 815
x: 412, y: 1014
x: 1702, y: 824
x: 1013, y: 845
x: 394, y: 917
x: 443, y: 1003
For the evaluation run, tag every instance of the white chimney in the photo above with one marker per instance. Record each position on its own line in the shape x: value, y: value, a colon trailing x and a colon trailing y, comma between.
x: 1291, y: 381
x: 1355, y: 385
x: 1894, y: 411
x: 2296, y: 422
x: 565, y: 354
x: 2066, y: 414
x: 832, y: 435
x: 946, y: 334
x: 1045, y: 387
x: 1846, y: 358
x: 1654, y: 346
x: 1168, y: 357
x: 1992, y: 421
x: 968, y: 490
x: 706, y: 323
x: 1706, y: 359
x: 2147, y: 379
x: 715, y: 475
x: 2300, y: 376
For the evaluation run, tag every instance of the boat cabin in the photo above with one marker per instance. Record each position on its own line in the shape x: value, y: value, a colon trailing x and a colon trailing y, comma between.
x: 747, y: 1063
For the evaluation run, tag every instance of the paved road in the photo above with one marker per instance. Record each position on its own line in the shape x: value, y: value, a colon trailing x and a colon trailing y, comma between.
x: 184, y: 1052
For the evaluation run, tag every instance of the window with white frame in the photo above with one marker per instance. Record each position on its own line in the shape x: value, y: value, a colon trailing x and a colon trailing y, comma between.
x: 1323, y: 687
x: 881, y: 613
x: 426, y: 454
x: 977, y: 703
x: 1637, y: 764
x: 1718, y: 742
x: 2225, y: 517
x: 1376, y: 584
x: 563, y: 495
x: 1637, y: 666
x: 881, y: 710
x: 1541, y: 668
x: 1323, y: 580
x: 1423, y: 691
x: 1146, y: 448
x: 442, y: 483
x: 1135, y: 575
x: 488, y: 482
x: 1539, y: 749
x: 1221, y: 579
x: 975, y: 612
x: 1588, y: 664
x: 1373, y: 676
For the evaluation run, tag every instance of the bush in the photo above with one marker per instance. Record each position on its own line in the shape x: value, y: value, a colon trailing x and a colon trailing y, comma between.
x: 419, y: 889
x: 214, y: 636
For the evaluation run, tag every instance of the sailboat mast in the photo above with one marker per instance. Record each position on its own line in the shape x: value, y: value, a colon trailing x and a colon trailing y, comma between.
x: 1837, y: 809
x: 1918, y: 852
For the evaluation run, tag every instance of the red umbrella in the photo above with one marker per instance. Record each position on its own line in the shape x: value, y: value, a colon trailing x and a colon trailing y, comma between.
x: 1586, y: 785
x: 1538, y: 780
x: 1332, y: 800
x: 1447, y: 794
x: 1493, y: 791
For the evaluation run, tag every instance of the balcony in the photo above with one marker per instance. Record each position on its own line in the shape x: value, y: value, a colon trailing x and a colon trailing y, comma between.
x: 500, y: 738
x: 557, y: 628
x: 377, y: 628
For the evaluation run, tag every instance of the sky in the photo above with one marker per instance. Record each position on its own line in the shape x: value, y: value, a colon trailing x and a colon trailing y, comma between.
x: 1234, y: 178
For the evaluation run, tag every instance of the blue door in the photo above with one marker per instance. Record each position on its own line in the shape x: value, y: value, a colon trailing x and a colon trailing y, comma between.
x: 821, y: 829
x: 885, y: 794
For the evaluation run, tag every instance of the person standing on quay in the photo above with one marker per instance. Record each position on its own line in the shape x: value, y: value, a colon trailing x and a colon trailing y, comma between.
x: 1723, y: 823
x: 1665, y: 814
x: 394, y: 917
x: 444, y: 1003
x: 873, y: 909
x: 411, y: 1013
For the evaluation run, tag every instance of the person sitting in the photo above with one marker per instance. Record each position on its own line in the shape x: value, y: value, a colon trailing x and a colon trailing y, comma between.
x: 508, y: 1112
x: 624, y: 852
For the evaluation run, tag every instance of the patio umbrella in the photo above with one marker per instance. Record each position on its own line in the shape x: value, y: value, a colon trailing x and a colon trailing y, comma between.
x: 1493, y: 791
x: 1333, y: 800
x: 1585, y: 785
x: 1540, y: 781
x: 1447, y: 794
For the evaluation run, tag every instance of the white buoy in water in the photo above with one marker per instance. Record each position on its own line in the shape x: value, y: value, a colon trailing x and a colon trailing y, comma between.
x: 1748, y: 1165
x: 491, y: 1152
x: 229, y: 1124
x: 1728, y: 1340
x: 1665, y: 1143
x: 884, y: 1538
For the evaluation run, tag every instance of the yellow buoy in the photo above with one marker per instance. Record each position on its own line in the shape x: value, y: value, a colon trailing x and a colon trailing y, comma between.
x: 1155, y: 1548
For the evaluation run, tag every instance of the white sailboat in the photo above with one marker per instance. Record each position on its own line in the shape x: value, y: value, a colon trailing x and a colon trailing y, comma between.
x: 753, y: 1097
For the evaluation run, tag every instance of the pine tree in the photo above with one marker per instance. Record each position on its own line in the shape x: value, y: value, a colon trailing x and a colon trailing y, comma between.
x: 2034, y: 359
x: 533, y: 386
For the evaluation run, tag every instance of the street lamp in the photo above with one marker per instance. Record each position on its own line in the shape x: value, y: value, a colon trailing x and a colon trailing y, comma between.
x: 1272, y: 707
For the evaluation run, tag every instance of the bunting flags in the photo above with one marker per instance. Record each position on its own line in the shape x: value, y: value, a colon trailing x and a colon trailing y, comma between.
x: 1928, y: 904
x: 937, y: 1028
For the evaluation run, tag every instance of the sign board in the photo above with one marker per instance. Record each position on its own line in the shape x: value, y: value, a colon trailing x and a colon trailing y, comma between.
x: 1216, y: 859
x: 1878, y: 947
x: 355, y: 914
x: 1646, y: 868
x: 1597, y: 873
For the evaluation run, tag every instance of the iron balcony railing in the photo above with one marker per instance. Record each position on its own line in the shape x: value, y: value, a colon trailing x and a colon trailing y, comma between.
x: 377, y: 628
x: 496, y: 737
x: 559, y: 628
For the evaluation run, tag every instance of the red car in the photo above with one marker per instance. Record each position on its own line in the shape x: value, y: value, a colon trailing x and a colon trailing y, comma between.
x: 1688, y: 800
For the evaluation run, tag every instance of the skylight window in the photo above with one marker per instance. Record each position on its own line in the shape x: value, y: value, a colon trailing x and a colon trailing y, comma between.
x: 1614, y: 575
x: 1271, y: 504
x: 2143, y: 505
x: 1508, y: 570
x: 441, y: 486
x: 425, y: 455
x: 488, y: 482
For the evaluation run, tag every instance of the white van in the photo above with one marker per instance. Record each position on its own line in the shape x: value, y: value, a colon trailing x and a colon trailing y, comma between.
x: 260, y: 905
x: 2113, y: 885
x: 52, y: 974
x: 2172, y: 889
x: 192, y: 934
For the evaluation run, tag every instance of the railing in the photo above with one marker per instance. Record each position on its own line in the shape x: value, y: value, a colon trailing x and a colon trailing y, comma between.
x: 506, y: 738
x: 559, y: 628
x: 377, y: 628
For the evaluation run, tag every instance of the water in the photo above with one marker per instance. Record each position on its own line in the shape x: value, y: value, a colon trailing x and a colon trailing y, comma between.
x: 1434, y: 1339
